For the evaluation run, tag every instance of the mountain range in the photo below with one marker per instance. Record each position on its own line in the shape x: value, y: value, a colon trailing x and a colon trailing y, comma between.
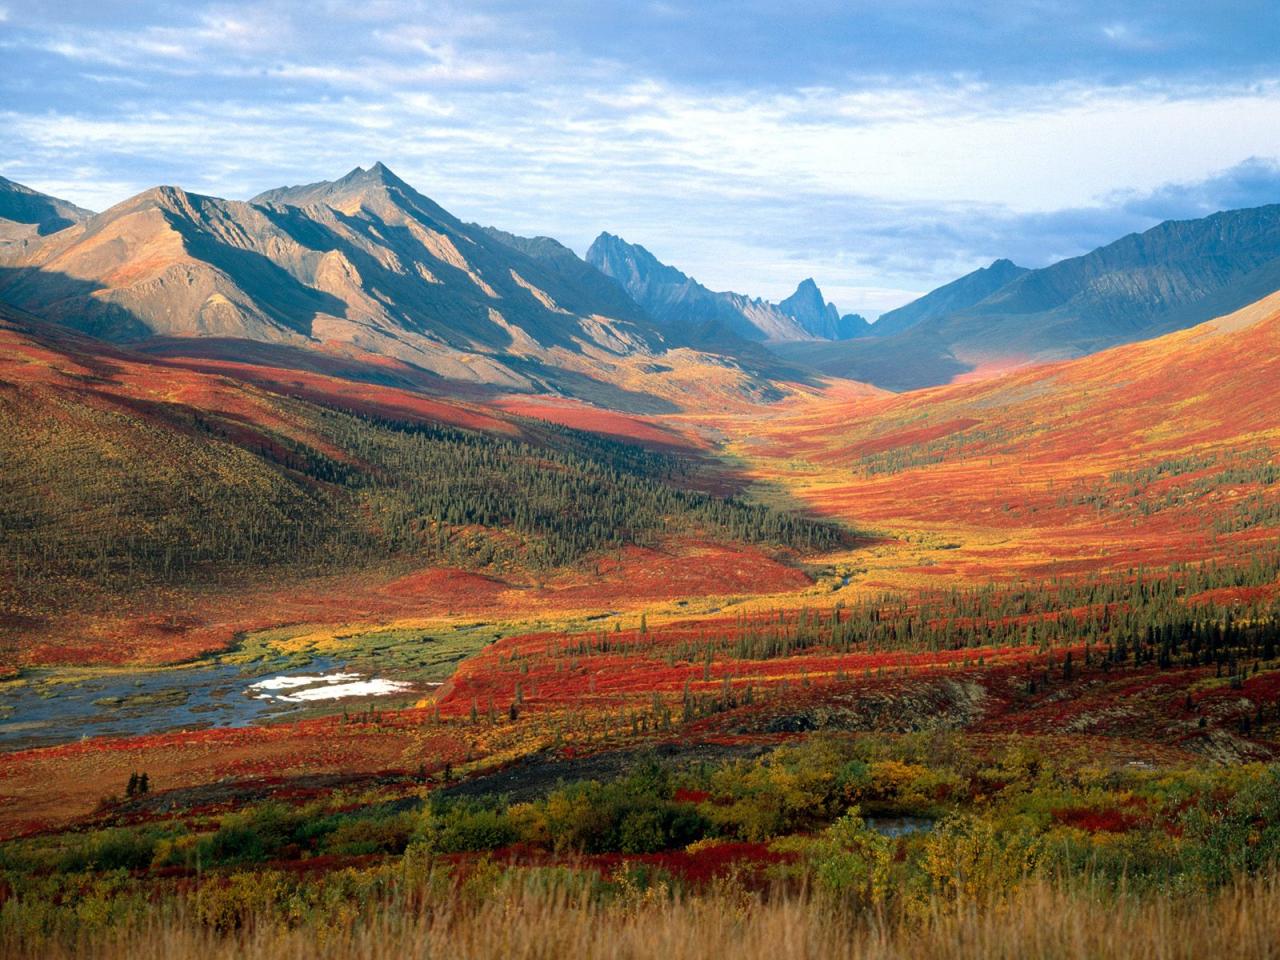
x: 1173, y: 276
x: 363, y: 264
x: 367, y: 269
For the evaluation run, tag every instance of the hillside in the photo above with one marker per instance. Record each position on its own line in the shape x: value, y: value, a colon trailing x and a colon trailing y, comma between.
x: 1151, y: 453
x: 1173, y: 276
x: 138, y: 480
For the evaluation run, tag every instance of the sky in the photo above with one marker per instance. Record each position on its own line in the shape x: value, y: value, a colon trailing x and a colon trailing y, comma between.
x: 882, y: 148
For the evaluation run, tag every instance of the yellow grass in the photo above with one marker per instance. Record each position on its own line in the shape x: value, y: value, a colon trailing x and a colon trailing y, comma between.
x: 1040, y: 922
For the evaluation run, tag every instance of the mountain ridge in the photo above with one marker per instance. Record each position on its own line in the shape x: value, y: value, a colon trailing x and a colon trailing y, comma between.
x: 367, y: 266
x: 676, y: 300
x: 362, y: 265
x: 1170, y: 277
x: 963, y: 292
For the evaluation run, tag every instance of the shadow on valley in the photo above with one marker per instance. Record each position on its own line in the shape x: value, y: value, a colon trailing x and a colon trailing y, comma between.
x: 911, y: 360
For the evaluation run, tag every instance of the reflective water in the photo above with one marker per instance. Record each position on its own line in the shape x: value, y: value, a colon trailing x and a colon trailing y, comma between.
x: 899, y: 826
x: 47, y: 708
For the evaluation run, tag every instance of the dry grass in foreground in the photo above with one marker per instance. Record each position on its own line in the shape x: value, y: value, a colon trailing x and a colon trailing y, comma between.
x: 1040, y: 920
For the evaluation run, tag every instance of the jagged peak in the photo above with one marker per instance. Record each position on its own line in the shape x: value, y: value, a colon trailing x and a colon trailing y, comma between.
x: 165, y: 191
x: 613, y: 241
x: 807, y: 296
x: 378, y: 173
x: 637, y: 253
x: 355, y: 180
x: 165, y: 195
x: 374, y: 185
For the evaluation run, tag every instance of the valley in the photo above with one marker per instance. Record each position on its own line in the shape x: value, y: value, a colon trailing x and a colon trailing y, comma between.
x: 645, y: 607
x: 1008, y: 485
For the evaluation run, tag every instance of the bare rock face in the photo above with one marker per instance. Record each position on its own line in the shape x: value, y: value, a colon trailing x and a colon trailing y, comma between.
x: 821, y: 319
x: 680, y: 303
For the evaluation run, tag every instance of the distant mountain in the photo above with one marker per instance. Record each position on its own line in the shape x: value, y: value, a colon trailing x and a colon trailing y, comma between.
x: 677, y: 300
x: 609, y: 298
x: 820, y: 319
x: 27, y: 213
x: 1173, y: 276
x: 957, y: 295
x: 364, y: 264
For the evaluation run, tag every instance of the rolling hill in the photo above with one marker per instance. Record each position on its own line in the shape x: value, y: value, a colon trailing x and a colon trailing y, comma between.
x: 136, y: 480
x: 1156, y: 453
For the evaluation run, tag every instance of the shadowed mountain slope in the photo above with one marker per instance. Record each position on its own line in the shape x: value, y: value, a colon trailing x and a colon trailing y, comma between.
x: 687, y: 308
x: 957, y: 295
x: 678, y: 301
x: 1173, y: 276
x: 26, y: 213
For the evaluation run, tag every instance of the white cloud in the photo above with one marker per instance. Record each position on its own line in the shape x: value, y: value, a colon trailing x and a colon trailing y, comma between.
x: 748, y: 189
x: 1129, y: 36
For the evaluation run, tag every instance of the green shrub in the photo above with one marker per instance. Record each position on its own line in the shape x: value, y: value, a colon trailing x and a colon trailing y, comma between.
x: 1240, y: 836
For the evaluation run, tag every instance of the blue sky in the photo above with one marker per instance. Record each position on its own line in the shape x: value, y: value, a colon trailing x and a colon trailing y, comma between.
x: 882, y: 148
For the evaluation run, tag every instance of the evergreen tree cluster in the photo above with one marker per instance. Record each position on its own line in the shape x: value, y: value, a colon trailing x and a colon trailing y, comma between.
x: 103, y: 499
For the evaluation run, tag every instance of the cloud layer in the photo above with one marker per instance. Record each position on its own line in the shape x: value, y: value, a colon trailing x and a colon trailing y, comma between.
x: 881, y: 148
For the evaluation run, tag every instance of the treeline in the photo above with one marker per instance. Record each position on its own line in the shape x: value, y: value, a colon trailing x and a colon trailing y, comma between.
x: 563, y: 501
x: 1130, y: 491
x: 1167, y: 617
x: 112, y: 499
x: 1171, y: 617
